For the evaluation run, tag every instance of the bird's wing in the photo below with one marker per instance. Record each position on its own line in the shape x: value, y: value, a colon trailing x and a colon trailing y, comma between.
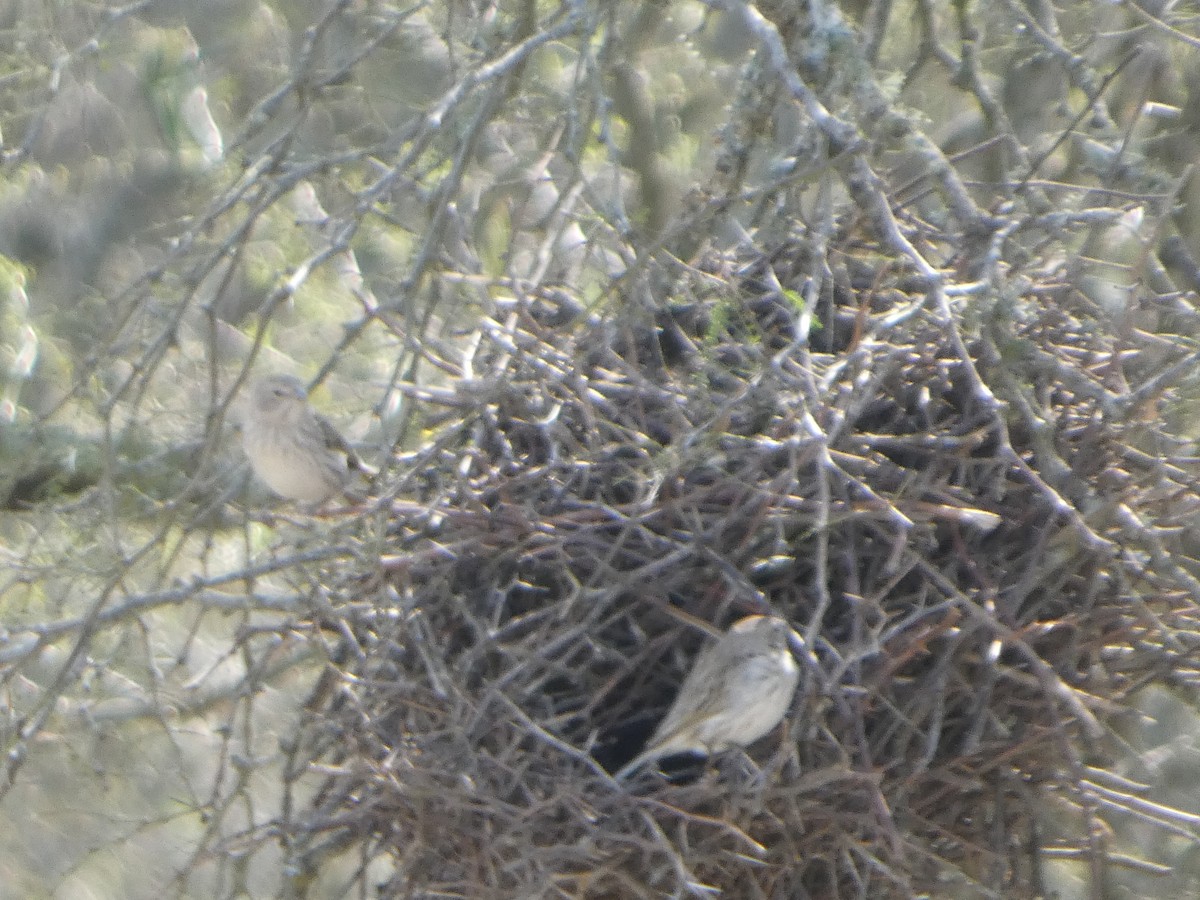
x: 693, y: 704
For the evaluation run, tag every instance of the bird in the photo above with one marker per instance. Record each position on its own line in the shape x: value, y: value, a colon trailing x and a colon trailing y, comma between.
x: 739, y: 689
x: 295, y: 451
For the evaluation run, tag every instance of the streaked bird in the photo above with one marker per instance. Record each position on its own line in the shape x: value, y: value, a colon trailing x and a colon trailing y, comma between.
x: 297, y: 453
x: 739, y: 688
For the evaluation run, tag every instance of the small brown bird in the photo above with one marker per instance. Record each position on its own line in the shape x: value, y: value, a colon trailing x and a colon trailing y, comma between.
x: 738, y: 690
x: 297, y: 453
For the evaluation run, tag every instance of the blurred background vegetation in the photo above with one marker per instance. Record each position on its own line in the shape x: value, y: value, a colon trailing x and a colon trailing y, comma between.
x: 195, y: 192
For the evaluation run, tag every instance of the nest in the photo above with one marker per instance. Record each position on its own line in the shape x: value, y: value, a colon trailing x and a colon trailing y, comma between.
x: 971, y: 524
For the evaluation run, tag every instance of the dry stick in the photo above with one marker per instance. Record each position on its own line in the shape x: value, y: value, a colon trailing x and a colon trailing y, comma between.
x: 199, y: 588
x: 984, y: 395
x: 1050, y: 681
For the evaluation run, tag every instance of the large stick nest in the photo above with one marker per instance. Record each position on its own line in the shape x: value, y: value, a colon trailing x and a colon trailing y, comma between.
x: 978, y: 527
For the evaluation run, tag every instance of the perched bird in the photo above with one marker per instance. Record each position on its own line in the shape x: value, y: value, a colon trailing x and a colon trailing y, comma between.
x: 738, y: 690
x: 296, y: 452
